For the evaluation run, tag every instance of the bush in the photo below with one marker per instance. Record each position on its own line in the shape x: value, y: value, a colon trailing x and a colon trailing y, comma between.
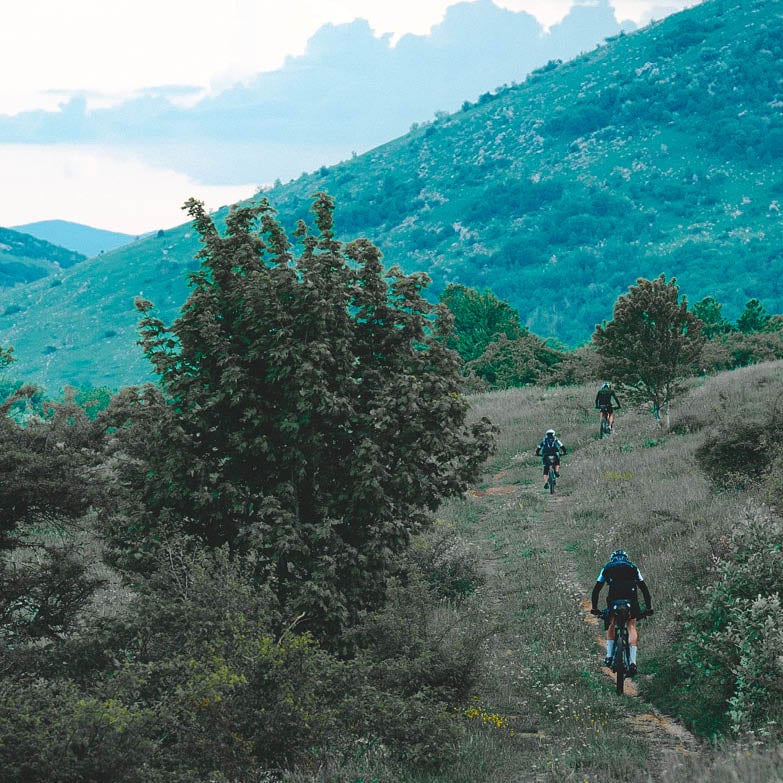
x: 731, y: 654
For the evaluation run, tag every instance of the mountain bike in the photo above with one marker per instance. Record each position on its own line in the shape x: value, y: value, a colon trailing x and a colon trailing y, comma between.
x: 606, y: 428
x: 551, y: 477
x: 621, y: 657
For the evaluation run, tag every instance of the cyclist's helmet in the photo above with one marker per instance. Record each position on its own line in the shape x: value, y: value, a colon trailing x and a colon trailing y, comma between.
x: 550, y: 432
x: 604, y: 385
x: 618, y: 554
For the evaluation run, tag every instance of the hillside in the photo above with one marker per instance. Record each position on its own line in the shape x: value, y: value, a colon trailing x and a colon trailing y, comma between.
x: 24, y: 258
x: 83, y: 239
x: 661, y: 151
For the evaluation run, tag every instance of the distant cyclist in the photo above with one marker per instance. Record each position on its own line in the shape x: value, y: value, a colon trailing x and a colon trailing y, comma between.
x: 603, y: 402
x: 550, y: 446
x: 623, y: 577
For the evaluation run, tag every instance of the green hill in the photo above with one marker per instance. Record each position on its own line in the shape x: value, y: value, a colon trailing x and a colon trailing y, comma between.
x: 661, y: 151
x: 24, y: 258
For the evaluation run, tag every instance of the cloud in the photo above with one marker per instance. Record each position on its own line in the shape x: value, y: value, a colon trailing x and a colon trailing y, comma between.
x: 348, y: 92
x: 118, y: 192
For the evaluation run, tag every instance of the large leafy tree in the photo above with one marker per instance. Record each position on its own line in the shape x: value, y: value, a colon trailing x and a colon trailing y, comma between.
x: 308, y: 412
x: 651, y: 342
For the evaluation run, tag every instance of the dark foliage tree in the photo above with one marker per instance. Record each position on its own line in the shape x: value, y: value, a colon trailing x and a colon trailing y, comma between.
x: 651, y: 343
x: 754, y: 318
x: 708, y: 311
x: 47, y: 484
x: 309, y: 412
x: 479, y: 318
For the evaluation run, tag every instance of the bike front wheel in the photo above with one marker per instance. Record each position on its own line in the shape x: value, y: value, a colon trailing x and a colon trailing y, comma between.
x: 619, y: 664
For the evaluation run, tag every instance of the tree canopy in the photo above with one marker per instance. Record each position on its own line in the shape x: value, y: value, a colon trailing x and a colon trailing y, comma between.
x: 651, y: 343
x: 310, y: 412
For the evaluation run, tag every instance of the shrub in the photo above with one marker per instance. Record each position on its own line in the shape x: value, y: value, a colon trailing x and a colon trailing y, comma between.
x: 731, y: 656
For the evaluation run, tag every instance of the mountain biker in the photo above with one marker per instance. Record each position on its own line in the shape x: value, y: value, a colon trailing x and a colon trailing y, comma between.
x: 623, y: 577
x: 603, y: 402
x: 550, y: 446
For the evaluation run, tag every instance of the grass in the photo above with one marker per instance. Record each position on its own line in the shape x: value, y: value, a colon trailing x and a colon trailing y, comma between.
x: 641, y: 490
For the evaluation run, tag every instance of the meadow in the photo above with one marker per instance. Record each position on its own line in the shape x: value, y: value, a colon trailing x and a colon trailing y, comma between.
x: 544, y: 707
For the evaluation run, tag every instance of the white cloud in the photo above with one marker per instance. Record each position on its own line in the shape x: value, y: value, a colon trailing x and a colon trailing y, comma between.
x: 49, y: 48
x: 118, y: 193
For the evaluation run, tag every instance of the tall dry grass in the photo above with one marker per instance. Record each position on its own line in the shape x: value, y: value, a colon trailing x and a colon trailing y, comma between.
x: 640, y: 489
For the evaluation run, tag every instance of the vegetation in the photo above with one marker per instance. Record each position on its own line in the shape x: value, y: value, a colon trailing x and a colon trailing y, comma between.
x: 657, y: 153
x: 651, y: 343
x: 181, y: 658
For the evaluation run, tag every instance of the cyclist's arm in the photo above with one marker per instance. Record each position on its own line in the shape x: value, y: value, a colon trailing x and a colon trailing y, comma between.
x: 646, y: 593
x: 594, y: 597
x: 617, y: 402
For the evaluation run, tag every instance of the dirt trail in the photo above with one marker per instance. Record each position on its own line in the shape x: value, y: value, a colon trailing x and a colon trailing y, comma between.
x: 663, y: 734
x: 658, y: 729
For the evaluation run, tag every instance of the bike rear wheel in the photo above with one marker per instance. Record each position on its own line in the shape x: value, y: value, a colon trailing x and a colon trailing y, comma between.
x: 552, y: 481
x: 619, y: 663
x: 605, y: 428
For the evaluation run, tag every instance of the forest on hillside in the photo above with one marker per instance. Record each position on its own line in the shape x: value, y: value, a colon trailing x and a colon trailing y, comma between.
x: 307, y: 554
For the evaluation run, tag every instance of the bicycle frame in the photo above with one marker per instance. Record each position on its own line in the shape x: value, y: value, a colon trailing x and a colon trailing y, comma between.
x: 550, y: 476
x: 621, y: 609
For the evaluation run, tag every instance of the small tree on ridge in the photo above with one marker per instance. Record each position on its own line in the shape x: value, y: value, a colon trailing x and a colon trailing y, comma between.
x: 651, y: 342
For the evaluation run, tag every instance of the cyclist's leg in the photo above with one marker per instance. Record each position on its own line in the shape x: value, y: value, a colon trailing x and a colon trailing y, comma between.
x: 633, y: 640
x: 610, y: 640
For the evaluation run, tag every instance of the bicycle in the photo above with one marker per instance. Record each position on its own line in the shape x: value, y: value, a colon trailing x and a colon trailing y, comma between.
x: 606, y: 428
x: 621, y: 657
x: 551, y: 477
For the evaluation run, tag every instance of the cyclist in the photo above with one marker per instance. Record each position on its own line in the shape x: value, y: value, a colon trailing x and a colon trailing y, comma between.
x: 550, y: 446
x: 623, y: 577
x: 603, y: 402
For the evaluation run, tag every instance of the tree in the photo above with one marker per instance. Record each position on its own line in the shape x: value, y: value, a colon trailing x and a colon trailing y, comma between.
x: 651, y: 342
x: 309, y: 413
x: 46, y: 484
x: 708, y: 311
x: 479, y: 318
x: 754, y: 318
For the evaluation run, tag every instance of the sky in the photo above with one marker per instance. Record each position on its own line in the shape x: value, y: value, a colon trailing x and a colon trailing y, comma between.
x: 188, y: 53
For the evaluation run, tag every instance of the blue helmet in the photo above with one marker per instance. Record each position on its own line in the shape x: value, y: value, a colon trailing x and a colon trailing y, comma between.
x: 618, y: 554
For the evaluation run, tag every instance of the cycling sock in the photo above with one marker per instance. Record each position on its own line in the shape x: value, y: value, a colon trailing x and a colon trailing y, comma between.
x: 632, y: 653
x: 610, y: 648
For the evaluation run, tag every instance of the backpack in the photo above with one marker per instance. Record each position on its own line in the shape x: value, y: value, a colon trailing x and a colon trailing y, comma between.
x: 549, y: 446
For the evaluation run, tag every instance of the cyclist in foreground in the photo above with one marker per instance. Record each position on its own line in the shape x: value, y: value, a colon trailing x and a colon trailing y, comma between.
x: 550, y: 446
x: 603, y: 403
x: 623, y: 577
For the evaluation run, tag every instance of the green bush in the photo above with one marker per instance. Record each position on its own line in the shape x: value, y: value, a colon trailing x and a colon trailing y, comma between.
x: 730, y: 665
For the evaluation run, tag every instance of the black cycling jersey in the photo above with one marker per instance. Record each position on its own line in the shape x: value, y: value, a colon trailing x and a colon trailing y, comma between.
x: 604, y: 398
x: 623, y: 577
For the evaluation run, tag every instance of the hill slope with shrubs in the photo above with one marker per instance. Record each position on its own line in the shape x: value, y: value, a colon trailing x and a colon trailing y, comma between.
x: 660, y: 152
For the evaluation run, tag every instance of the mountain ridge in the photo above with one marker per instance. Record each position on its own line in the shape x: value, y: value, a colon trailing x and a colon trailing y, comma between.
x: 659, y: 152
x: 78, y: 237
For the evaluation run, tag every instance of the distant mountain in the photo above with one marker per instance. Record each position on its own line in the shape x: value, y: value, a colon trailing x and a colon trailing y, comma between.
x: 24, y: 258
x: 83, y: 239
x: 660, y: 152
